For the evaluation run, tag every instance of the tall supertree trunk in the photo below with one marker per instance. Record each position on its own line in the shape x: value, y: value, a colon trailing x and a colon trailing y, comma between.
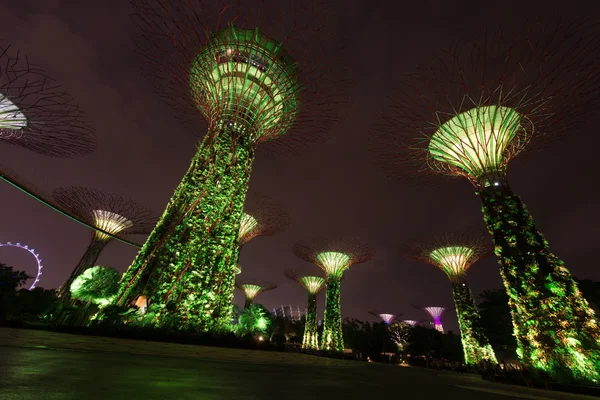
x: 476, y: 345
x: 186, y: 267
x: 86, y: 262
x: 554, y: 326
x: 311, y: 335
x: 332, y: 339
x: 247, y: 303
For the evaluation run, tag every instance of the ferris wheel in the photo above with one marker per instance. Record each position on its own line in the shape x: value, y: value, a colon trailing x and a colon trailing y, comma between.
x: 33, y: 253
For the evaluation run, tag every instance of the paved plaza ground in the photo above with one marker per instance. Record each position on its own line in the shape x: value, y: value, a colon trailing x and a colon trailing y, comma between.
x: 52, y: 366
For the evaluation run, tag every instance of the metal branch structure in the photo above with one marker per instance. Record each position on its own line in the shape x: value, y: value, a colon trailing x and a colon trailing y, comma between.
x: 334, y: 257
x: 252, y: 289
x: 387, y: 318
x: 256, y: 73
x: 454, y: 255
x: 313, y: 285
x: 436, y: 313
x: 37, y: 114
x: 110, y: 213
x: 480, y: 105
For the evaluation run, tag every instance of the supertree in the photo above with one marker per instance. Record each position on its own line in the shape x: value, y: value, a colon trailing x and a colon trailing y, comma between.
x: 474, y: 112
x: 262, y: 217
x: 436, y: 313
x: 387, y: 318
x: 313, y: 285
x: 37, y: 114
x: 109, y: 213
x: 410, y: 322
x: 334, y: 257
x: 454, y: 254
x: 222, y: 61
x: 252, y: 289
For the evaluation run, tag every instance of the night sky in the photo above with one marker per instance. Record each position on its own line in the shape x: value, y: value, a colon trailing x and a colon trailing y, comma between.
x: 331, y: 189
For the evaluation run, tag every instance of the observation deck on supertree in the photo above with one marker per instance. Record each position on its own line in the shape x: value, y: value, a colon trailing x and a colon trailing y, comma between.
x: 108, y: 212
x: 37, y: 114
x: 436, y: 313
x: 387, y: 318
x: 473, y: 113
x: 454, y: 255
x: 252, y: 289
x: 223, y: 62
x: 313, y: 285
x: 334, y: 257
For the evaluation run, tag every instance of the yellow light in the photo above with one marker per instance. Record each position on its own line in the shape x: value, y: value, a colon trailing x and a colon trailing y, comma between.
x: 110, y: 222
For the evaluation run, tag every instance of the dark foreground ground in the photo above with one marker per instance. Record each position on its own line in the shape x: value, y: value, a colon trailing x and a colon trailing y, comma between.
x: 29, y: 373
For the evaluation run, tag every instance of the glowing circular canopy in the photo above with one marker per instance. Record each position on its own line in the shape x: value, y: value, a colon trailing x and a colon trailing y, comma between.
x: 387, y: 318
x: 251, y: 290
x: 410, y: 322
x: 333, y: 263
x: 246, y: 79
x: 247, y: 224
x: 453, y: 260
x: 313, y: 284
x: 11, y: 117
x: 475, y: 141
x: 110, y: 222
x: 34, y: 254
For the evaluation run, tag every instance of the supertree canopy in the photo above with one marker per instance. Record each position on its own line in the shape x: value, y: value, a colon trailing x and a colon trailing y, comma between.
x: 110, y: 213
x: 252, y: 289
x: 482, y: 105
x: 37, y: 114
x: 334, y: 257
x: 436, y: 313
x: 454, y: 255
x: 223, y: 61
x: 410, y: 322
x: 387, y: 318
x: 313, y: 285
x: 262, y: 217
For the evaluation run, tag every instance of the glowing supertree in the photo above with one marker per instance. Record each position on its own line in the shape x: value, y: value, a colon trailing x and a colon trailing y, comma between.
x: 262, y: 217
x: 222, y: 61
x: 387, y: 318
x: 313, y: 285
x: 436, y: 314
x: 410, y: 322
x: 252, y: 289
x: 476, y: 111
x: 109, y: 213
x: 334, y: 257
x: 37, y: 114
x: 454, y: 255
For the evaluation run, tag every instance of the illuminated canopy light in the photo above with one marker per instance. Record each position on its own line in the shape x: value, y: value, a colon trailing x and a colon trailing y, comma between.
x: 251, y: 79
x: 11, y: 117
x: 247, y: 225
x: 453, y: 260
x: 110, y: 222
x: 436, y: 314
x: 410, y: 322
x: 475, y: 140
x: 250, y: 290
x: 34, y: 254
x: 313, y: 284
x: 333, y: 262
x: 387, y: 318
